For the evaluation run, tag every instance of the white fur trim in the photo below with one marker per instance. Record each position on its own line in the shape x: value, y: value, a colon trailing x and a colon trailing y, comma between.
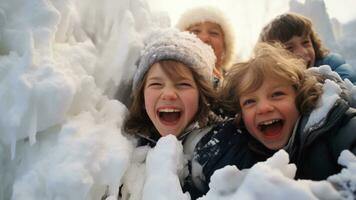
x: 211, y: 14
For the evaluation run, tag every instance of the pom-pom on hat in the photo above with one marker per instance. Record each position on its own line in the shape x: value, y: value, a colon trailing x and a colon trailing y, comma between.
x: 211, y: 14
x: 172, y: 44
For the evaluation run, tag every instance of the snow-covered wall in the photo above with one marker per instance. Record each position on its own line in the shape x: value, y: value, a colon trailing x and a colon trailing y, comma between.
x: 61, y: 63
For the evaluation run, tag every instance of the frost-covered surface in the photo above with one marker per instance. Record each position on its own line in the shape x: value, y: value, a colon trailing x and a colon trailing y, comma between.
x: 60, y: 132
x: 61, y: 64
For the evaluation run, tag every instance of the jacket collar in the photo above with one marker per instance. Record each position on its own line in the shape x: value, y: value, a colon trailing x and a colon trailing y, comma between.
x: 329, y: 121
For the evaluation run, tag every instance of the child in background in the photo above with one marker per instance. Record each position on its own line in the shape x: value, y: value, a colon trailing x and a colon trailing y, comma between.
x: 282, y: 106
x: 212, y: 26
x: 297, y: 35
x: 173, y: 92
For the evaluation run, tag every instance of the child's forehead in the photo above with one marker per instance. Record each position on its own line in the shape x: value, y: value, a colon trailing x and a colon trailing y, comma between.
x: 297, y: 38
x: 253, y: 82
x: 267, y: 87
x: 304, y: 34
x: 175, y: 70
x: 288, y: 34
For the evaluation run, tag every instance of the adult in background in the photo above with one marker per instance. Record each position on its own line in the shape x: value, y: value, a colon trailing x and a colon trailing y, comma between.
x: 212, y: 26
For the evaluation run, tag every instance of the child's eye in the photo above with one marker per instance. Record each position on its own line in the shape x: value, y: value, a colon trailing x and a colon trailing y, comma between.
x: 184, y: 85
x: 154, y: 84
x: 307, y: 43
x: 278, y: 94
x: 247, y: 102
x: 289, y: 48
x: 195, y: 31
x: 214, y: 33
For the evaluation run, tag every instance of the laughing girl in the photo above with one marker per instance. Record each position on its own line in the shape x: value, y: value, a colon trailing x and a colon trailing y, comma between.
x: 173, y: 92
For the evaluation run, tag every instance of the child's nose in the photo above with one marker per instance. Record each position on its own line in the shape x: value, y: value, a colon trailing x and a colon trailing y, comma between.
x: 169, y: 95
x: 264, y: 107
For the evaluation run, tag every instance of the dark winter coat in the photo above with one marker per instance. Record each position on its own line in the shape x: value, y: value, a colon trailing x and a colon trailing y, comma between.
x: 338, y: 64
x: 314, y: 151
x: 317, y: 149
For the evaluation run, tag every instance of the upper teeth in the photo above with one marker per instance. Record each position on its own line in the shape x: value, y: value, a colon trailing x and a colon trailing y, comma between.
x: 269, y: 122
x: 169, y: 110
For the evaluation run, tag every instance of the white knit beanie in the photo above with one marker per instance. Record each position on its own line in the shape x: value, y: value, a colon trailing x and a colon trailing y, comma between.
x: 172, y: 44
x: 211, y: 14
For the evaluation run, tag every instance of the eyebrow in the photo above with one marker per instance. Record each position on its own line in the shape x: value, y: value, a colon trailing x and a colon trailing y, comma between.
x: 180, y: 78
x: 154, y: 78
x: 280, y: 86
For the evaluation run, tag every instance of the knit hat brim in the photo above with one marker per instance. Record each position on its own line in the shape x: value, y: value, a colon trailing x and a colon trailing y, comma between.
x: 172, y: 44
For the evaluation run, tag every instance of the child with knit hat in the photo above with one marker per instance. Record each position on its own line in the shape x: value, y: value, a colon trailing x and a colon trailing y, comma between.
x: 172, y: 91
x: 297, y: 35
x: 212, y: 26
x: 172, y: 85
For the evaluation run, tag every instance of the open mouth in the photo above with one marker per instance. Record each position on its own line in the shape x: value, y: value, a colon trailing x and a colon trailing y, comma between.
x: 169, y: 116
x: 271, y: 128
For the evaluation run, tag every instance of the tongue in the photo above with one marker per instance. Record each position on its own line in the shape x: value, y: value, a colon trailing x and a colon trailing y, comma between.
x: 170, y: 117
x: 273, y: 129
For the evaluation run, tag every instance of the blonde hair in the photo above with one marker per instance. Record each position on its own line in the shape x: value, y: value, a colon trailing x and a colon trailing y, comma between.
x: 138, y: 120
x: 285, y: 26
x: 270, y: 61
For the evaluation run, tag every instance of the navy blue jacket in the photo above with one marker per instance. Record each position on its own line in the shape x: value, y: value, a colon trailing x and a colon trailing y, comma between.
x: 314, y: 151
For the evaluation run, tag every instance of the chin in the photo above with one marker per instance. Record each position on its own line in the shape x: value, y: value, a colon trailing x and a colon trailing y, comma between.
x: 275, y: 146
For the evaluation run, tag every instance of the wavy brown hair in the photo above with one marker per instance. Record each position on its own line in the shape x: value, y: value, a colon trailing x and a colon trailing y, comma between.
x: 285, y: 26
x: 270, y: 61
x: 138, y: 121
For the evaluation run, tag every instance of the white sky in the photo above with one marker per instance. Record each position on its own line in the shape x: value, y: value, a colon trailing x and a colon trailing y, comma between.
x: 248, y: 17
x: 342, y: 11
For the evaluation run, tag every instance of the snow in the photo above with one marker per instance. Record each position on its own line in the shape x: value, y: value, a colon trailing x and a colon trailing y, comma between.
x: 346, y: 179
x: 331, y: 93
x: 164, y: 169
x: 65, y: 70
x: 272, y: 179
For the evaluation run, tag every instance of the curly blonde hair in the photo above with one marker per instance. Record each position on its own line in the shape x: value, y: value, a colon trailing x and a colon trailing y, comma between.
x: 285, y: 26
x: 270, y: 61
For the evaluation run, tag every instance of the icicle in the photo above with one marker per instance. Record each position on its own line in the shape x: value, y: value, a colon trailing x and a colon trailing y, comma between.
x: 32, y: 129
x: 13, y: 146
